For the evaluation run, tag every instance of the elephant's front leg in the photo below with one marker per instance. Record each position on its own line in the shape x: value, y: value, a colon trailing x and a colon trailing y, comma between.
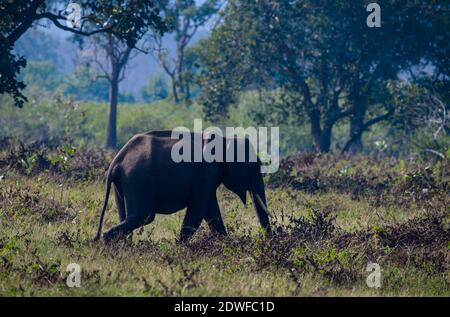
x: 214, y: 218
x: 205, y: 192
x: 191, y: 222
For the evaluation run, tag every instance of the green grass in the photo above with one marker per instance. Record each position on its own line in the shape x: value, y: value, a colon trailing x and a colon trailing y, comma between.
x: 56, y: 119
x: 45, y: 226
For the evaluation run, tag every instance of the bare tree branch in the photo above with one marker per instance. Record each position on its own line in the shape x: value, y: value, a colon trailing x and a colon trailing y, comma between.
x: 55, y: 19
x: 365, y: 127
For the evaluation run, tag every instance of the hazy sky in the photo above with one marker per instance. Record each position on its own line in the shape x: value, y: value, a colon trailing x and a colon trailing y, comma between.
x: 139, y: 70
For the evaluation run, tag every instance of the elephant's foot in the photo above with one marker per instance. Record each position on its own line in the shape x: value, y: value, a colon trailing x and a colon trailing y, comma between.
x: 185, y: 236
x: 122, y: 230
x: 110, y: 237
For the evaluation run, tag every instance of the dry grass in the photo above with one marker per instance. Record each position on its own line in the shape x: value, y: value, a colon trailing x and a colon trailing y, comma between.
x: 324, y: 238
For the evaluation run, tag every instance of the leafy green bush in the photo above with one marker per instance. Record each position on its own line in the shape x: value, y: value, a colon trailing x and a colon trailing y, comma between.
x: 57, y: 119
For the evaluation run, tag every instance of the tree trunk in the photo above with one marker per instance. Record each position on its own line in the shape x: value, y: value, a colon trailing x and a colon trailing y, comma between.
x: 187, y: 95
x: 355, y: 144
x: 321, y: 138
x: 325, y: 140
x: 359, y: 106
x: 111, y: 130
x: 175, y: 90
x: 356, y: 126
x: 179, y: 86
x: 316, y: 131
x: 314, y: 117
x: 179, y: 72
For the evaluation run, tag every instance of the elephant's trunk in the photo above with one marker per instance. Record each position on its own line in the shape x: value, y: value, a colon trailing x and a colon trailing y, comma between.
x: 259, y: 200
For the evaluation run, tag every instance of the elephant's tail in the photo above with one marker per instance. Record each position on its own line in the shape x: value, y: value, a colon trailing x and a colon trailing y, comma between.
x: 105, y: 204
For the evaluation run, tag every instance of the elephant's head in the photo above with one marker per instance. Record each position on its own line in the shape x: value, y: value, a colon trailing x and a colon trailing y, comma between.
x: 240, y: 177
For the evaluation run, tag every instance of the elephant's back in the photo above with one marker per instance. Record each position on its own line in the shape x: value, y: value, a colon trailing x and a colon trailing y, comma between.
x: 150, y: 153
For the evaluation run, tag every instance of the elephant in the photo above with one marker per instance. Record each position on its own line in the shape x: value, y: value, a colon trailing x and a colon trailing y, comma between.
x: 147, y: 181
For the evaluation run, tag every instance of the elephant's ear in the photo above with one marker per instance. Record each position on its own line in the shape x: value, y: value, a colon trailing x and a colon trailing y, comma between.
x: 237, y: 174
x: 235, y: 180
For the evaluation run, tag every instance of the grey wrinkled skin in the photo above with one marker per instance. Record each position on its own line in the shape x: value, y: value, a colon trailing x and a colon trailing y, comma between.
x: 147, y: 181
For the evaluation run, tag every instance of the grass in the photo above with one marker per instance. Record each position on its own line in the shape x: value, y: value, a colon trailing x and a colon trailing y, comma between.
x: 57, y: 119
x: 45, y: 225
x: 331, y: 216
x: 53, y: 118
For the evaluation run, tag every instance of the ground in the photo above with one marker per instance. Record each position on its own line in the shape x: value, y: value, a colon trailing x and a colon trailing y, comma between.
x: 332, y: 217
x: 324, y: 240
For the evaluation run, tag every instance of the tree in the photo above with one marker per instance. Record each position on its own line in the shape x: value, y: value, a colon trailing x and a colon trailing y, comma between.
x: 110, y: 55
x: 412, y: 36
x: 128, y: 20
x: 422, y: 117
x: 186, y: 17
x: 322, y: 52
x: 271, y: 44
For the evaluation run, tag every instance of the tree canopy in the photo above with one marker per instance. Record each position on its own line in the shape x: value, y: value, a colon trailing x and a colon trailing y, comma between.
x: 325, y: 55
x: 128, y: 20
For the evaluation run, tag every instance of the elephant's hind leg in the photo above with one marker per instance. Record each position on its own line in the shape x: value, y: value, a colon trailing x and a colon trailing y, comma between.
x: 120, y: 203
x: 123, y: 229
x: 135, y: 217
x: 214, y: 218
